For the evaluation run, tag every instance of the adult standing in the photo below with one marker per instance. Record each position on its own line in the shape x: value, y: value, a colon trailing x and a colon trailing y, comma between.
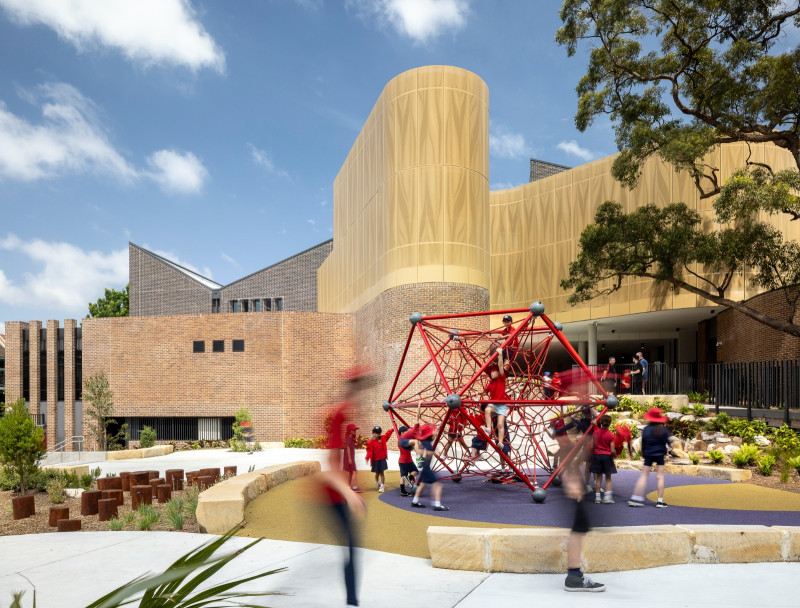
x: 610, y: 376
x: 645, y: 365
x: 636, y: 375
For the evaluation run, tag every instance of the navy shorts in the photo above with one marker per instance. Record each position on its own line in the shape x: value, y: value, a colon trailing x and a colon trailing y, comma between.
x: 408, y: 468
x: 603, y: 464
x: 509, y: 354
x: 478, y: 443
x: 650, y: 460
x: 427, y: 475
x: 379, y: 466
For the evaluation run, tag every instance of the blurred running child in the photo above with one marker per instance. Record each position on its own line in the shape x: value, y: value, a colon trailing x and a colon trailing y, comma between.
x: 455, y: 432
x: 656, y: 441
x: 377, y: 453
x: 603, y: 461
x: 406, y: 442
x: 558, y: 431
x: 623, y: 438
x: 427, y: 476
x: 349, y: 456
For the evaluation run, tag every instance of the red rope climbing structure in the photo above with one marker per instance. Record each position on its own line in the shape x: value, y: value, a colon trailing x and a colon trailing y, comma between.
x: 447, y: 376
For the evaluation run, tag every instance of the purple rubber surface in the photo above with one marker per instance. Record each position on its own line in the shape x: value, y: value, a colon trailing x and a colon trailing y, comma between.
x: 474, y: 500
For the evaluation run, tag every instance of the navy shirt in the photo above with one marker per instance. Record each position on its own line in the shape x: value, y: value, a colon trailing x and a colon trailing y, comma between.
x: 644, y: 364
x: 655, y: 440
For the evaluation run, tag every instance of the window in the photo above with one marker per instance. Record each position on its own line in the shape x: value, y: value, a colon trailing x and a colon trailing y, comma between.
x: 245, y: 305
x: 278, y: 303
x: 235, y: 306
x: 199, y: 346
x: 218, y: 346
x: 267, y: 304
x: 256, y: 305
x: 238, y: 346
x: 215, y: 305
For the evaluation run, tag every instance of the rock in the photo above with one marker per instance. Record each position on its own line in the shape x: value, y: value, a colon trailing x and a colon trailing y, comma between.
x: 700, y: 445
x: 687, y: 418
x: 723, y: 440
x: 736, y: 440
x: 729, y: 449
x: 680, y: 454
x: 637, y: 444
x: 706, y: 436
x: 721, y: 473
x: 738, y: 544
x: 761, y: 440
x: 674, y: 415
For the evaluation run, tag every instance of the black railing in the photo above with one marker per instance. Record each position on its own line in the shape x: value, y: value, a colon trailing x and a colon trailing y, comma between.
x: 180, y: 428
x: 758, y: 384
x: 662, y: 378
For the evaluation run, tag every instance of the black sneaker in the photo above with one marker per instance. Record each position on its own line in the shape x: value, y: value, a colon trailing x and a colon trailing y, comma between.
x: 582, y: 583
x: 404, y: 493
x: 635, y: 503
x: 441, y: 508
x: 418, y: 505
x: 661, y: 505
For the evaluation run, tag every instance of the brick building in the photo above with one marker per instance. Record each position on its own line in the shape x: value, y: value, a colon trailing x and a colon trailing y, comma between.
x: 416, y: 228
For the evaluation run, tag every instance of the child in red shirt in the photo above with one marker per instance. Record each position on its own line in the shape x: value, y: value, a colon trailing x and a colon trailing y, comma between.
x: 623, y: 438
x: 349, y: 456
x: 377, y: 453
x: 603, y: 460
x: 408, y: 470
x: 496, y: 388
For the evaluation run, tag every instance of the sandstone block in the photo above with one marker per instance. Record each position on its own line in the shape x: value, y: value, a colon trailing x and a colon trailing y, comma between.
x: 728, y: 474
x: 791, y: 542
x: 459, y: 548
x: 738, y: 544
x: 633, y: 548
x: 530, y: 551
x: 681, y: 469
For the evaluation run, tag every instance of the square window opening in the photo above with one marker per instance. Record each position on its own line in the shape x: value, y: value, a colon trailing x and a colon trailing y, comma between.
x: 218, y: 346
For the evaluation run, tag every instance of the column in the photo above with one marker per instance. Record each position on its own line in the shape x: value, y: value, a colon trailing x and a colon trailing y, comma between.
x: 582, y: 350
x: 69, y: 380
x: 592, y: 354
x: 34, y: 367
x: 52, y: 383
x: 14, y: 356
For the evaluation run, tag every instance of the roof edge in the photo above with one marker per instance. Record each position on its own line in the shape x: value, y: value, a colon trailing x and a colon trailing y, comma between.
x: 187, y: 272
x: 291, y: 257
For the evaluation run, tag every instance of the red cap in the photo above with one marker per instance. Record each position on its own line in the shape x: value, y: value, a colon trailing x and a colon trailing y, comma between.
x: 425, y: 431
x: 655, y: 415
x: 351, y: 427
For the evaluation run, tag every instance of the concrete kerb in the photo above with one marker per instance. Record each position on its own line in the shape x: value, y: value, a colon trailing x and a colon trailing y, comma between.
x: 156, y: 450
x: 544, y: 550
x: 692, y: 470
x: 221, y: 507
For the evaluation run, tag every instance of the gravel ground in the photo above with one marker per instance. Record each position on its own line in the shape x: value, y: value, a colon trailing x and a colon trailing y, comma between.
x: 39, y: 523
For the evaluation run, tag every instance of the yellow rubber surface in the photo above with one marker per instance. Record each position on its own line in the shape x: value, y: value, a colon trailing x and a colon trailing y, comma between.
x: 735, y: 496
x: 288, y: 512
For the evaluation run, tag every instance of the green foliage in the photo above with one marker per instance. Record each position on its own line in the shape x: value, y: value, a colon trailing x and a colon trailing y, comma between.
x: 128, y: 517
x: 718, y: 423
x: 119, y: 440
x: 113, y: 304
x: 786, y: 471
x: 694, y: 458
x: 662, y: 404
x: 116, y: 524
x: 147, y: 516
x: 251, y: 468
x: 174, y: 511
x: 745, y: 455
x: 147, y: 437
x: 716, y: 456
x: 684, y: 409
x: 185, y: 583
x: 191, y: 496
x: 240, y: 432
x: 634, y: 429
x: 55, y: 490
x: 747, y: 430
x: 685, y: 429
x: 21, y: 442
x: 317, y: 442
x: 765, y: 464
x: 626, y: 404
x: 696, y: 397
x: 98, y: 407
x: 678, y: 79
x: 86, y: 481
x: 699, y: 410
x: 95, y: 473
x: 787, y: 440
x: 637, y: 455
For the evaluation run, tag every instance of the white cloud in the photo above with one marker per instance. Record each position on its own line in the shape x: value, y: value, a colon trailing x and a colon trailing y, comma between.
x: 67, y: 279
x: 69, y: 139
x: 228, y: 258
x: 148, y: 32
x: 420, y: 20
x: 572, y: 147
x: 178, y: 172
x: 2, y: 327
x: 323, y: 203
x: 260, y: 157
x: 503, y: 186
x: 505, y: 144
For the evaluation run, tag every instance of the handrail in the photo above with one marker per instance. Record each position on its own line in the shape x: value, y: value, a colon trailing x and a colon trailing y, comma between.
x: 59, y: 447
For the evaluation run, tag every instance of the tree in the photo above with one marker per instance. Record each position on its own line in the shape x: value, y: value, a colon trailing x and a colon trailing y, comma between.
x: 21, y: 442
x: 98, y: 407
x: 114, y: 304
x: 678, y: 78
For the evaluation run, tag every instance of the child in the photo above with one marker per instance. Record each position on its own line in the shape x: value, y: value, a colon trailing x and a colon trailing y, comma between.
x: 408, y: 470
x: 349, y: 456
x: 603, y: 461
x: 377, y: 453
x: 496, y: 388
x: 655, y: 445
x: 547, y: 384
x: 455, y: 432
x: 427, y: 476
x: 558, y: 430
x: 510, y: 352
x: 624, y: 437
x: 584, y: 425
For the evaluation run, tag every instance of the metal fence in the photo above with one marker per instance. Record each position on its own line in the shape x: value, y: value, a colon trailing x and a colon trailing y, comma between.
x: 757, y: 384
x: 662, y: 378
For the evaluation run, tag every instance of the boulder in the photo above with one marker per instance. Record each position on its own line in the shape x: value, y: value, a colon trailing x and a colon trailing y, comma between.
x: 687, y: 418
x: 723, y: 440
x: 736, y: 440
x: 708, y: 436
x: 700, y: 445
x: 681, y: 454
x: 674, y: 415
x: 761, y: 440
x: 729, y: 449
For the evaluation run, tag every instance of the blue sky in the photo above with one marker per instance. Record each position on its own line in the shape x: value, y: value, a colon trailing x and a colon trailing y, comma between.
x: 212, y: 131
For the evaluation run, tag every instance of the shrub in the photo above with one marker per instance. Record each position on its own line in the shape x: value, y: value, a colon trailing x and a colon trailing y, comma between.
x: 699, y: 409
x: 662, y: 404
x: 632, y: 427
x: 637, y: 455
x: 786, y: 471
x: 716, y: 456
x: 696, y: 397
x: 148, y: 516
x: 787, y: 440
x: 747, y: 430
x: 192, y: 496
x: 694, y: 458
x: 174, y: 509
x: 297, y: 442
x: 745, y: 455
x: 238, y: 446
x: 718, y: 423
x: 116, y: 524
x: 684, y: 409
x: 766, y: 464
x: 626, y: 404
x: 55, y: 490
x: 86, y: 481
x: 128, y: 517
x: 360, y: 442
x: 685, y: 429
x: 147, y: 437
x: 21, y: 442
x: 795, y: 463
x: 95, y: 473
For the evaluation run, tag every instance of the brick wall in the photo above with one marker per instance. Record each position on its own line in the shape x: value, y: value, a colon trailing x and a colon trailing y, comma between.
x: 293, y: 279
x: 744, y: 339
x: 287, y: 376
x: 14, y: 356
x: 157, y: 288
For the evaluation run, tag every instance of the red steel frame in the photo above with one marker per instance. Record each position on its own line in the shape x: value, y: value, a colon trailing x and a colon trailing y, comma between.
x: 460, y: 356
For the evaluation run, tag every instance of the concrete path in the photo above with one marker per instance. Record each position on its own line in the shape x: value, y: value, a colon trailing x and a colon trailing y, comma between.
x: 72, y: 569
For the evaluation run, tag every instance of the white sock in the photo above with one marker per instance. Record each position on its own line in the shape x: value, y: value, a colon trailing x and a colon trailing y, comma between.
x: 436, y: 503
x: 637, y: 498
x: 414, y: 500
x: 660, y: 500
x: 597, y: 494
